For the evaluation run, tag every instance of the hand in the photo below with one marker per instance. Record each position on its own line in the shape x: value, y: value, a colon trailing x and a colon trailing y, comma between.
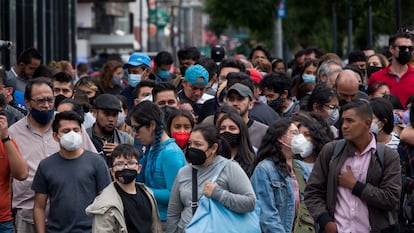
x: 4, y: 132
x: 346, y: 178
x: 330, y: 227
x: 108, y: 148
x: 209, y: 188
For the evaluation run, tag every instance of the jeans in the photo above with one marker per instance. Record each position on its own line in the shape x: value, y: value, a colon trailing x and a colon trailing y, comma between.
x: 6, y: 227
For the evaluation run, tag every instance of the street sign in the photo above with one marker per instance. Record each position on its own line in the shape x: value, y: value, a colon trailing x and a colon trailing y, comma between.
x: 281, y: 9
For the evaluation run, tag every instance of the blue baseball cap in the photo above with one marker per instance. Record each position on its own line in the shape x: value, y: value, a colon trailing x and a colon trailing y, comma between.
x: 137, y: 59
x: 194, y: 72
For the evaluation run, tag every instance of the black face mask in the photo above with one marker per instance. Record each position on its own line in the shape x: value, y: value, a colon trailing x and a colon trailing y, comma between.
x: 232, y: 139
x: 362, y: 88
x: 195, y: 156
x: 372, y: 69
x: 166, y: 111
x: 276, y: 104
x: 92, y: 101
x: 404, y: 57
x: 126, y: 176
x: 59, y: 99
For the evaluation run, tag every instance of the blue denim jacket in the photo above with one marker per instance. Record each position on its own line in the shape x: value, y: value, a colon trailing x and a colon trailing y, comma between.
x: 275, y: 196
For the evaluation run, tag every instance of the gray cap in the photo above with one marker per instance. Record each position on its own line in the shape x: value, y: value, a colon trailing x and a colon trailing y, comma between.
x: 242, y: 89
x: 108, y: 102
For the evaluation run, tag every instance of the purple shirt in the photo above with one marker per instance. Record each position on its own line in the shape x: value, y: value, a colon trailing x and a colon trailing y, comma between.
x: 351, y: 213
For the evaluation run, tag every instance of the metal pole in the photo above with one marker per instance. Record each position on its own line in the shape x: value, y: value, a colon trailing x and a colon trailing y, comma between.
x: 278, y: 38
x: 350, y: 26
x: 334, y: 28
x: 369, y: 24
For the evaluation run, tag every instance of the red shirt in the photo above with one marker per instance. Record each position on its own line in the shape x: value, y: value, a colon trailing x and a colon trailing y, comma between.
x: 402, y: 87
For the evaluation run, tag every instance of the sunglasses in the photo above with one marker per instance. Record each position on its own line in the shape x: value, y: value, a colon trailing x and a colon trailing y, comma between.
x: 404, y: 48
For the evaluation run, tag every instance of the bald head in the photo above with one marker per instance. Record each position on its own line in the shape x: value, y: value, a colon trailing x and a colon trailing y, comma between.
x: 347, y: 85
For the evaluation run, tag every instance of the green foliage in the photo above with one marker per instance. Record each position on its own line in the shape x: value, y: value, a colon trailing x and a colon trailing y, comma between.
x: 308, y: 22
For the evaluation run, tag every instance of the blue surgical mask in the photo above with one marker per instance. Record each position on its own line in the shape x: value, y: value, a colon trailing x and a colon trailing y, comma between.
x: 134, y: 79
x: 116, y: 80
x: 42, y: 117
x: 308, y: 78
x: 163, y: 74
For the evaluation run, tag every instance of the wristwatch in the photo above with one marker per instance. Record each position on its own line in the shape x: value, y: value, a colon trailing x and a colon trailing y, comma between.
x: 3, y: 140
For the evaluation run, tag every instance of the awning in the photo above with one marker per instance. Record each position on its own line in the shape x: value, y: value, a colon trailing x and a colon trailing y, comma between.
x: 102, y: 41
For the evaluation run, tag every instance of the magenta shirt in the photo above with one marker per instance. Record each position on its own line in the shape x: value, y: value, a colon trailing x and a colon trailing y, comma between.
x: 351, y: 213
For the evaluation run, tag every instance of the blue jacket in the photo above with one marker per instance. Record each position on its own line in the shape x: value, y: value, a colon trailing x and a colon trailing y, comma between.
x: 160, y: 171
x: 275, y: 196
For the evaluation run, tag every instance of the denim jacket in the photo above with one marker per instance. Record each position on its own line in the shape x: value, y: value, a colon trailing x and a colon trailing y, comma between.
x: 275, y: 196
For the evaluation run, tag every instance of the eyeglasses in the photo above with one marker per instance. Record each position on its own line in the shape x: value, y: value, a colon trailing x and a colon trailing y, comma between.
x: 330, y: 106
x: 136, y: 128
x: 40, y: 101
x: 404, y: 48
x: 130, y: 164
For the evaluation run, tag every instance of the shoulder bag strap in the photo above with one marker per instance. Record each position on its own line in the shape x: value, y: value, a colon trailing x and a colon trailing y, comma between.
x: 218, y: 169
x: 194, y: 184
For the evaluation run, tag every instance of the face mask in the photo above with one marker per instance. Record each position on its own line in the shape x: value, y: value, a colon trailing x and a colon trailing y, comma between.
x: 308, y: 78
x: 195, y: 156
x: 232, y: 139
x: 333, y: 116
x: 181, y: 138
x: 42, y: 117
x: 126, y: 176
x: 404, y: 57
x: 276, y: 104
x: 92, y: 101
x: 116, y: 80
x: 372, y: 69
x: 121, y: 119
x: 166, y: 111
x: 134, y: 79
x: 71, y: 141
x: 301, y: 146
x: 163, y: 74
x: 362, y: 88
x: 374, y: 128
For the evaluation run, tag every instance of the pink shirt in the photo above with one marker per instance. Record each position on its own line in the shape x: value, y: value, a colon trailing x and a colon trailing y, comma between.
x: 34, y: 147
x: 351, y: 213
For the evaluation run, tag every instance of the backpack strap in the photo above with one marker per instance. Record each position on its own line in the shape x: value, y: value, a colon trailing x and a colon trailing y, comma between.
x: 380, y: 154
x: 194, y: 185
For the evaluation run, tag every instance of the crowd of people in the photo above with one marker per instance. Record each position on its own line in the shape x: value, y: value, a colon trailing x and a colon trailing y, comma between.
x: 315, y: 142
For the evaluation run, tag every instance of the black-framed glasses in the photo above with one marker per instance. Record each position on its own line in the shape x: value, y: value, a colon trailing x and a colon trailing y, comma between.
x: 404, y: 48
x: 39, y: 101
x: 136, y: 128
x: 121, y: 165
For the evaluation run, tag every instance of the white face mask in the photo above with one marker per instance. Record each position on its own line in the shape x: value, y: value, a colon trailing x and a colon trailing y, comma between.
x: 71, y: 141
x: 121, y: 119
x: 333, y: 116
x: 374, y: 128
x: 301, y: 146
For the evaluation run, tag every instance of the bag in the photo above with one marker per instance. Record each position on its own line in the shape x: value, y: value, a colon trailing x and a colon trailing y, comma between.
x: 212, y: 217
x: 304, y: 222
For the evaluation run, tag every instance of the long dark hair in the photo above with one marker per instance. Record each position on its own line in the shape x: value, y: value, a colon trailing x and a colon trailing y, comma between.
x: 271, y: 147
x: 245, y: 153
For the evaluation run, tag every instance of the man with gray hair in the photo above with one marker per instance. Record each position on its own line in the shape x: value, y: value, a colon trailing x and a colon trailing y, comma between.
x: 328, y: 72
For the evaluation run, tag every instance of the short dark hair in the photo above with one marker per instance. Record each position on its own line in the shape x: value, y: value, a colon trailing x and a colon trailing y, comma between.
x: 163, y: 58
x: 320, y: 96
x: 27, y: 55
x: 189, y: 52
x: 309, y: 50
x: 124, y: 102
x: 260, y: 48
x: 382, y: 109
x: 65, y: 115
x: 44, y: 71
x: 231, y: 62
x: 178, y: 113
x: 63, y: 77
x: 125, y: 150
x: 277, y: 82
x: 162, y: 86
x: 361, y: 106
x: 395, y: 101
x: 393, y: 38
x: 144, y: 83
x: 35, y: 81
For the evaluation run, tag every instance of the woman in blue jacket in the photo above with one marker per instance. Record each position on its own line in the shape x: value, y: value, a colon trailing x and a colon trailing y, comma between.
x: 161, y: 163
x: 274, y: 180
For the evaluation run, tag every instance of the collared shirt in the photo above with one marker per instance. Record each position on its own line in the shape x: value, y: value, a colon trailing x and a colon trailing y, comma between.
x: 402, y: 86
x: 351, y: 213
x: 34, y: 146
